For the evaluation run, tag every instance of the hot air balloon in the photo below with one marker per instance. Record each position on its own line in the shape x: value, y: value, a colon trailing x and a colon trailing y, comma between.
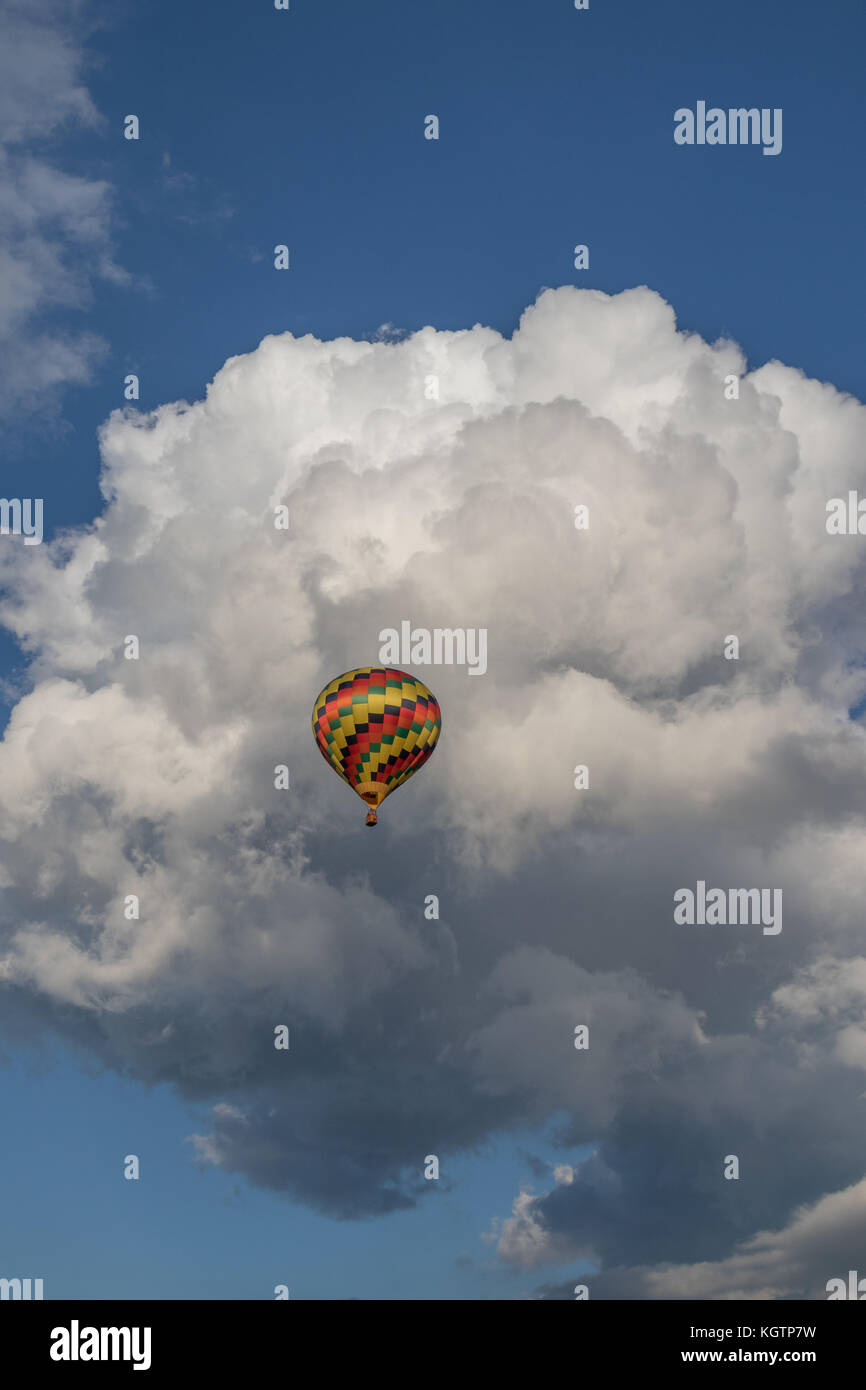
x: 376, y: 727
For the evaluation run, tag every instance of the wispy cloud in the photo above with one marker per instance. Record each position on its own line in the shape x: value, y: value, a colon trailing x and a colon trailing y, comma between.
x: 55, y: 227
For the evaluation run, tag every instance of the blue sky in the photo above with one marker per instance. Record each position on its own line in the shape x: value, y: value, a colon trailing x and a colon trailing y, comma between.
x: 306, y: 127
x: 182, y: 1232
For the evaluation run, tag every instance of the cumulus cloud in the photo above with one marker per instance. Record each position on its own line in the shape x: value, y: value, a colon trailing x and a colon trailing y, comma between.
x: 55, y: 227
x: 261, y: 907
x: 822, y: 1242
x: 523, y: 1239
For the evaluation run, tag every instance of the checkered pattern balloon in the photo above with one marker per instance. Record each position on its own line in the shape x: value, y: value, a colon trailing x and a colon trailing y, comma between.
x: 376, y: 727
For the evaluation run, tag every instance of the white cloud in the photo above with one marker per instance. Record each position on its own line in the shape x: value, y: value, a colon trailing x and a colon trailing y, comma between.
x: 522, y: 1239
x: 259, y: 907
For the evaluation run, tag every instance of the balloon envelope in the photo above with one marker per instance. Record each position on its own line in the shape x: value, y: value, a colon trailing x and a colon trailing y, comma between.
x: 376, y: 726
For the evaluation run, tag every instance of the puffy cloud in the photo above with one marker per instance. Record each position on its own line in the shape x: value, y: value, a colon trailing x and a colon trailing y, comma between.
x: 155, y: 777
x: 544, y: 997
x: 826, y: 1004
x: 822, y: 1242
x: 523, y: 1239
